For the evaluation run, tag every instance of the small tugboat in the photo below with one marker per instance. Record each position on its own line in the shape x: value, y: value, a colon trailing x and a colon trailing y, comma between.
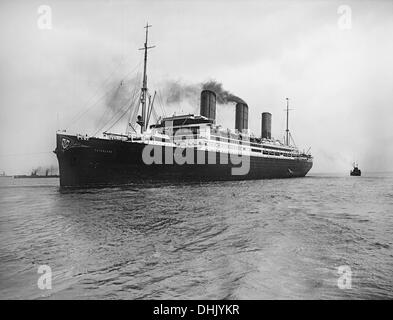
x: 356, y: 171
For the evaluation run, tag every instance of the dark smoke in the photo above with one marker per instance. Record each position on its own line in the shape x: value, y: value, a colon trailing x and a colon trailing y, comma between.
x: 223, y: 96
x: 176, y: 91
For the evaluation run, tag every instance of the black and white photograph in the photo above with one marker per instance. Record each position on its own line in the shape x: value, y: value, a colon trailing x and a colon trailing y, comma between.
x: 196, y: 151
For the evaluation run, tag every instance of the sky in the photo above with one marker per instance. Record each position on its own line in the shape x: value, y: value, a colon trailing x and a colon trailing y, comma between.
x: 333, y: 63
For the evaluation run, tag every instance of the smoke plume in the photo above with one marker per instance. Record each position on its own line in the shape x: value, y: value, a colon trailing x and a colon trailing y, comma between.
x: 176, y: 92
x: 223, y: 96
x: 125, y: 92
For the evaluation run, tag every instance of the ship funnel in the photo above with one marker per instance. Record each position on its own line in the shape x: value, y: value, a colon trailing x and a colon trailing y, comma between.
x: 241, y: 122
x: 266, y: 125
x: 208, y: 104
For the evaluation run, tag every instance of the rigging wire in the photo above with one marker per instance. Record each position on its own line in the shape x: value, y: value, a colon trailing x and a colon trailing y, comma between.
x: 132, y: 118
x: 134, y: 115
x: 134, y: 108
x: 293, y: 141
x: 125, y: 110
x: 80, y: 115
x: 121, y: 116
x: 128, y: 107
x: 155, y: 115
x: 76, y: 118
x: 105, y: 111
x: 95, y: 93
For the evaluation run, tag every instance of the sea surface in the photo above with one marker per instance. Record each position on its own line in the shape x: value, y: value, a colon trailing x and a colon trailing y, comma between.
x: 266, y: 239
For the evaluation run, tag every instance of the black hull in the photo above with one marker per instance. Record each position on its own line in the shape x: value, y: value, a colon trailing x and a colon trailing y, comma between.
x: 101, y: 161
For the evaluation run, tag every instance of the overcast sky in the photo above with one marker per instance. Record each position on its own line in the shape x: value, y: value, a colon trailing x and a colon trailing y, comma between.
x: 338, y: 76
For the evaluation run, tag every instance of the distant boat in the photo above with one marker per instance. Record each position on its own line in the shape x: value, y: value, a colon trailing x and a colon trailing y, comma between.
x: 34, y: 174
x: 356, y: 171
x: 3, y: 175
x: 23, y: 176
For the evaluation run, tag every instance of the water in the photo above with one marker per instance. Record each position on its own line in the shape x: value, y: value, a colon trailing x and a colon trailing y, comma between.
x: 239, y: 240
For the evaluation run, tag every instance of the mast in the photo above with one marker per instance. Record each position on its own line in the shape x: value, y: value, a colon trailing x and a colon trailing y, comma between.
x: 144, y: 82
x: 287, y: 130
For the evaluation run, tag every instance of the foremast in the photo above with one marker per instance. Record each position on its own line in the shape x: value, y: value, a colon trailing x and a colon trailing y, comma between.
x: 143, y: 119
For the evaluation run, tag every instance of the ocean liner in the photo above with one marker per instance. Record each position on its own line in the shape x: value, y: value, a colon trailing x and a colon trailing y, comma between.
x: 185, y: 147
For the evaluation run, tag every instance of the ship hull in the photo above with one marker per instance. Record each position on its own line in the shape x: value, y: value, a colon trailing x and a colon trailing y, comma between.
x: 101, y: 162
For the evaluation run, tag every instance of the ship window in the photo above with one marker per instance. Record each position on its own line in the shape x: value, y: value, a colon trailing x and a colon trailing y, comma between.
x: 194, y: 130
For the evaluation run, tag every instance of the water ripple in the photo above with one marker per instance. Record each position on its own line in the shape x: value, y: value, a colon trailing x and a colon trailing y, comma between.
x: 220, y: 240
